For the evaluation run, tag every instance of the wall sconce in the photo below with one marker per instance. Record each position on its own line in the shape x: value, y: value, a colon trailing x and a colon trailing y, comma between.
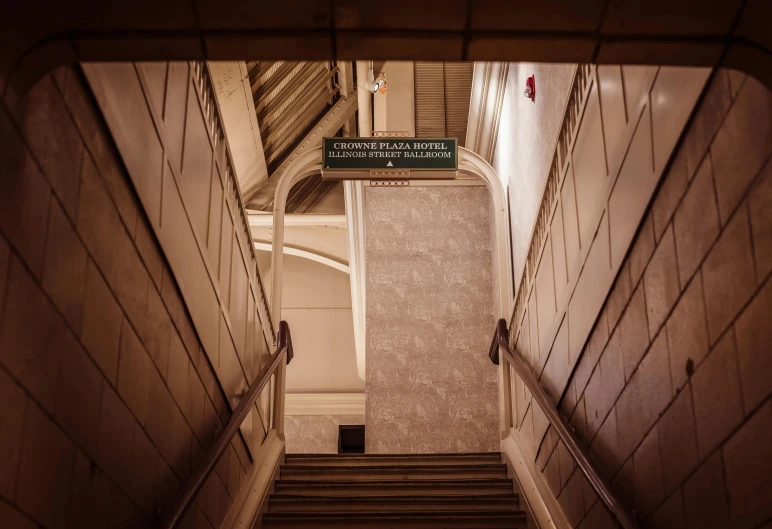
x: 530, y: 88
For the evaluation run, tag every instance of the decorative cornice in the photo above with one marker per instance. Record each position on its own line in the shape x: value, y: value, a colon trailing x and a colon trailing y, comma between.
x: 325, y: 404
x: 391, y: 134
x: 488, y: 87
x: 382, y: 174
x: 389, y: 183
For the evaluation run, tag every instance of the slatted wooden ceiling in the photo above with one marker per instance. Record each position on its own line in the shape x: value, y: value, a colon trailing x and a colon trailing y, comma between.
x: 290, y: 98
x: 442, y: 94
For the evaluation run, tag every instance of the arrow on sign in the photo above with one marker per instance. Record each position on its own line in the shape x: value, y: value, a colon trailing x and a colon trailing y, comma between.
x: 389, y: 164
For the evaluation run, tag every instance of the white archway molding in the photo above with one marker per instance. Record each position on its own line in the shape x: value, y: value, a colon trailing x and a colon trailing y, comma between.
x: 305, y: 254
x: 470, y: 163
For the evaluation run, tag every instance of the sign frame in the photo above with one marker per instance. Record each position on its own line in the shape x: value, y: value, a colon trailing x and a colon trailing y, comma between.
x: 383, y: 172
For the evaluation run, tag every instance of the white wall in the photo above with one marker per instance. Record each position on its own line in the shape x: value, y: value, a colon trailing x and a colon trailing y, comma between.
x: 316, y: 302
x: 395, y: 110
x: 526, y: 144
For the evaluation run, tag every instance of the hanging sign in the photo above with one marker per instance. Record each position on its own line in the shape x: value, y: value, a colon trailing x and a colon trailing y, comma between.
x: 421, y: 157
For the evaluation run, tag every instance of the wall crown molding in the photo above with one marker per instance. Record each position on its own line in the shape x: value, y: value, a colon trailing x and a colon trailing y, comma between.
x: 488, y: 86
x: 325, y: 404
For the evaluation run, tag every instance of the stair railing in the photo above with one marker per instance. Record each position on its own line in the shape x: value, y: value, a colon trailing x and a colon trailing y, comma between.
x: 501, y: 343
x: 198, y: 477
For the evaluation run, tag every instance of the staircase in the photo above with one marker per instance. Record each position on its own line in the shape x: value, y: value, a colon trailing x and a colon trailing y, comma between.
x: 383, y: 491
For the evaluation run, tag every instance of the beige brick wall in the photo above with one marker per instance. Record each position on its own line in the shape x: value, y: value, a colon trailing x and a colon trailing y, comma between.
x: 671, y: 395
x: 106, y: 400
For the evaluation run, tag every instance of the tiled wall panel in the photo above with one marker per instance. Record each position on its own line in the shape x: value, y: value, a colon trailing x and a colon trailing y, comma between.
x: 194, y: 208
x: 558, y: 243
x: 197, y: 167
x: 594, y: 281
x: 589, y: 163
x: 632, y: 190
x: 108, y: 401
x: 567, y: 205
x: 677, y: 412
x: 608, y: 125
x: 545, y: 293
x: 534, y: 348
x: 612, y: 103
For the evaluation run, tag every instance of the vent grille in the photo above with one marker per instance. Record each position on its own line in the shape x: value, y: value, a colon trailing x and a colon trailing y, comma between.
x: 442, y: 94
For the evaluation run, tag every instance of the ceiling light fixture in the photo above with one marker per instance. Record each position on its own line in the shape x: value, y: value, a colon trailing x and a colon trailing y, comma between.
x: 373, y: 84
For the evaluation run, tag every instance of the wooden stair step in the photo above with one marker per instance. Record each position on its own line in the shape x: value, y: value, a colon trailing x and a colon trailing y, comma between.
x: 388, y: 520
x: 392, y: 459
x: 465, y: 487
x: 384, y: 503
x: 386, y: 472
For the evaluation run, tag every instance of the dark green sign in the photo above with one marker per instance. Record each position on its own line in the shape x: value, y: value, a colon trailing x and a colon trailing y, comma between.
x: 416, y: 154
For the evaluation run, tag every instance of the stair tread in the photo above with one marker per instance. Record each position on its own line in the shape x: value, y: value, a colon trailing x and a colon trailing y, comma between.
x: 417, y: 465
x: 388, y: 491
x: 395, y: 456
x: 387, y: 472
x: 391, y: 483
x: 384, y: 497
x: 360, y: 458
x: 392, y: 469
x: 396, y: 504
x: 433, y: 482
x: 487, y: 513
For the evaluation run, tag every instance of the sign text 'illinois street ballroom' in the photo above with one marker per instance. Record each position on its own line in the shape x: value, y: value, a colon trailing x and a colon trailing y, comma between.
x: 417, y: 154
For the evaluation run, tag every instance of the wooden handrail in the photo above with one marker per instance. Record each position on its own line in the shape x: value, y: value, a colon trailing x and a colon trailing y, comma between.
x: 501, y: 343
x: 195, y: 481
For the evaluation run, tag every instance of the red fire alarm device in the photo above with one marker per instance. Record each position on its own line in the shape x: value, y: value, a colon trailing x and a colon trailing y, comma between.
x: 530, y: 88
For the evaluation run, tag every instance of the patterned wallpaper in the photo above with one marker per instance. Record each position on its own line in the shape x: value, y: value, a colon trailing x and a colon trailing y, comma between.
x: 315, y: 434
x: 430, y: 386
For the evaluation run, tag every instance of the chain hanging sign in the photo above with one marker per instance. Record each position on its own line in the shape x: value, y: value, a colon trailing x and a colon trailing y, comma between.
x: 399, y: 158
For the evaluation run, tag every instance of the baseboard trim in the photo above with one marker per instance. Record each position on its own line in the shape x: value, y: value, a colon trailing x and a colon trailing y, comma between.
x: 251, y: 498
x: 324, y: 404
x: 538, y: 496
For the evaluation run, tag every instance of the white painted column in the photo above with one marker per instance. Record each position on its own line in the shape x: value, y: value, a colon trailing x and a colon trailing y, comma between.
x: 354, y: 194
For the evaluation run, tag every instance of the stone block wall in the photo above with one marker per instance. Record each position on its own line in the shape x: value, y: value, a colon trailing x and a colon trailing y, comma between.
x: 671, y: 395
x: 106, y: 398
